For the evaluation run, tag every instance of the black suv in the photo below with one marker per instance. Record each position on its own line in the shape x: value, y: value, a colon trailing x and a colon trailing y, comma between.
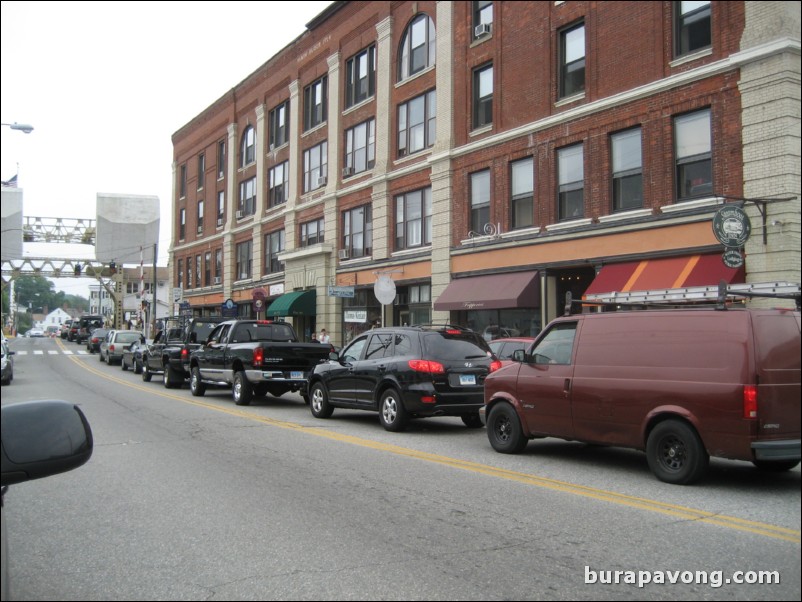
x: 406, y: 372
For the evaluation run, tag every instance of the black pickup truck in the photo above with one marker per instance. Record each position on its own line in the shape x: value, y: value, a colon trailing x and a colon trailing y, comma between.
x: 255, y: 357
x: 169, y: 353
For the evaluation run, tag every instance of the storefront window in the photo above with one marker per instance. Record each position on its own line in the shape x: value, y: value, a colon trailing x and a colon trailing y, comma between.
x: 502, y: 323
x: 360, y: 313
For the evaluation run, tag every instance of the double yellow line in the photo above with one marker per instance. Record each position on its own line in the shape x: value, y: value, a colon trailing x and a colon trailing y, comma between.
x: 681, y: 512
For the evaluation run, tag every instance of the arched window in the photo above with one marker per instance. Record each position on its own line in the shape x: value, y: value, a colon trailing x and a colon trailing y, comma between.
x: 417, y: 50
x: 248, y: 150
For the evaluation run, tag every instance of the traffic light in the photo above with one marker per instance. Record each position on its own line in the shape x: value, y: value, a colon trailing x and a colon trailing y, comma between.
x: 77, y: 269
x: 112, y: 267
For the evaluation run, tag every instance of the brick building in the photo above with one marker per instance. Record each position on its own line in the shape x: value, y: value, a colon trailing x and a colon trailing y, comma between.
x: 488, y: 157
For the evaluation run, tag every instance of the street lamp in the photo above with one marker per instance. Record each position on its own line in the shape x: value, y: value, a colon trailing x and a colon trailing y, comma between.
x: 22, y: 127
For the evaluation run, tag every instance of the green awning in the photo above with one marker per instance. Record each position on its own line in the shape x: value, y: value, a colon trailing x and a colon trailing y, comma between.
x: 298, y: 303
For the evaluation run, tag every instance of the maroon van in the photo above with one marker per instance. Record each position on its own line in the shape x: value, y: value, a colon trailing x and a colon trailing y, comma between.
x: 681, y: 384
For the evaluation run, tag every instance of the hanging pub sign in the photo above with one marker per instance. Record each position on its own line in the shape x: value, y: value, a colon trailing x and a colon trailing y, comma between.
x: 731, y: 226
x: 733, y: 258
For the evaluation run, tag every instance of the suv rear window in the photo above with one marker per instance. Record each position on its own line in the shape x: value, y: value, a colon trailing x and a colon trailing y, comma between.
x: 444, y: 346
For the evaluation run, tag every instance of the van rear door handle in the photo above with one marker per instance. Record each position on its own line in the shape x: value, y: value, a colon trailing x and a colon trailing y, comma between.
x: 567, y: 387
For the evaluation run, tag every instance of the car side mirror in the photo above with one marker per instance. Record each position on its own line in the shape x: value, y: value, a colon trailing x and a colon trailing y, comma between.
x: 518, y: 355
x: 334, y: 356
x: 42, y: 438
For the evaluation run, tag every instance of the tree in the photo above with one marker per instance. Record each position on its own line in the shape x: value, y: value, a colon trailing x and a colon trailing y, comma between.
x: 34, y: 291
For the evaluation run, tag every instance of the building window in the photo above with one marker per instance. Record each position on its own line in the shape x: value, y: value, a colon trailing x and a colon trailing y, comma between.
x: 483, y: 96
x: 274, y: 244
x: 417, y: 47
x: 480, y: 200
x: 198, y: 281
x: 279, y: 183
x: 627, y: 170
x: 482, y: 18
x: 182, y: 224
x: 522, y: 185
x: 201, y: 170
x: 315, y: 103
x: 182, y: 182
x: 189, y: 272
x: 358, y: 232
x: 360, y: 148
x: 207, y: 271
x: 244, y: 254
x: 312, y: 232
x: 278, y: 122
x: 417, y: 124
x: 413, y: 219
x: 571, y: 175
x: 693, y: 155
x: 691, y: 27
x: 179, y: 272
x: 572, y: 60
x: 247, y: 197
x: 221, y: 208
x: 200, y: 217
x: 360, y: 76
x: 131, y: 288
x: 218, y: 265
x: 221, y: 159
x: 316, y: 168
x: 248, y: 151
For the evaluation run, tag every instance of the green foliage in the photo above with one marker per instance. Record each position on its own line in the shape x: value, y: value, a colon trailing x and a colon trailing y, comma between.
x: 39, y: 292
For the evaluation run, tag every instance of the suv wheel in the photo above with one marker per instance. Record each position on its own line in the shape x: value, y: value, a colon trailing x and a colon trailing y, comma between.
x: 675, y: 453
x: 171, y: 378
x: 392, y: 414
x: 196, y: 386
x: 472, y: 420
x: 319, y: 401
x: 504, y: 429
x: 137, y: 367
x: 242, y: 390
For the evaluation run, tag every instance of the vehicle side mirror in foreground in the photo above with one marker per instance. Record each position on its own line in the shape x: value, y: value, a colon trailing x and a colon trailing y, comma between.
x: 518, y: 355
x: 334, y: 356
x: 42, y: 438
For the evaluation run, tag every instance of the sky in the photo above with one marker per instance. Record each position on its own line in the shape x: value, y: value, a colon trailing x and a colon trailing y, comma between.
x: 105, y: 86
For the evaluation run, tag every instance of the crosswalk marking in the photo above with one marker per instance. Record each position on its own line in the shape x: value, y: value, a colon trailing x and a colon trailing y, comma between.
x: 52, y: 352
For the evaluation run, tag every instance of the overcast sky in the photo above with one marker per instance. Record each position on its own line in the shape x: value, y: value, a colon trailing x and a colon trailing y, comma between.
x: 106, y: 84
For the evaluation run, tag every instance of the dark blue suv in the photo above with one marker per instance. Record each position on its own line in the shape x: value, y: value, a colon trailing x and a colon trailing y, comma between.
x: 406, y: 372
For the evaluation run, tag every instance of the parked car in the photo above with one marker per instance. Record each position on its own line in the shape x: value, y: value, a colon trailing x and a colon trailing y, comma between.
x: 6, y: 363
x: 504, y: 348
x: 35, y: 332
x: 95, y: 339
x: 406, y: 372
x: 39, y: 439
x: 72, y: 333
x: 133, y: 356
x: 111, y: 348
x: 680, y: 384
x: 86, y: 324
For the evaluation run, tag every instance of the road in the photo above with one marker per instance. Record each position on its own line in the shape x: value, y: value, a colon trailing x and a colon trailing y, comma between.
x: 196, y: 498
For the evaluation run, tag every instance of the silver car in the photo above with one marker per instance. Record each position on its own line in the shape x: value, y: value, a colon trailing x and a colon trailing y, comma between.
x: 111, y: 349
x: 7, y: 361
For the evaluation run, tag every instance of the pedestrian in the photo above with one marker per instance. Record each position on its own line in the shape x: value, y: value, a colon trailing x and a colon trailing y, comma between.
x: 324, y: 337
x: 314, y: 338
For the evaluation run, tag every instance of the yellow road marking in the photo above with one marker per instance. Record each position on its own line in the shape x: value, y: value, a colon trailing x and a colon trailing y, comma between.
x: 721, y: 520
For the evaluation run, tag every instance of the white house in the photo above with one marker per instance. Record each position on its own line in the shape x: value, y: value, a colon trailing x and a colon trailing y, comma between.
x: 54, y: 318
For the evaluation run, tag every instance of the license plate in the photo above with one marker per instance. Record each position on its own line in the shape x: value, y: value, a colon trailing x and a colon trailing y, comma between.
x: 296, y: 375
x: 467, y: 379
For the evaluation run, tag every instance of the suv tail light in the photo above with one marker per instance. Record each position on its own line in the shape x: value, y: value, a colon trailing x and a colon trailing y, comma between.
x: 495, y: 365
x: 750, y: 401
x: 184, y: 354
x: 258, y: 356
x: 427, y: 366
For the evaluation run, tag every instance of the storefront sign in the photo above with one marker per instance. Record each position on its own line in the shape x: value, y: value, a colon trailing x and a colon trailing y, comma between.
x: 733, y: 258
x: 276, y: 289
x: 346, y: 292
x: 229, y: 309
x: 732, y: 226
x: 356, y: 316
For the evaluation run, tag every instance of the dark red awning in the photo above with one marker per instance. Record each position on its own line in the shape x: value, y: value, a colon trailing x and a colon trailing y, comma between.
x: 493, y: 291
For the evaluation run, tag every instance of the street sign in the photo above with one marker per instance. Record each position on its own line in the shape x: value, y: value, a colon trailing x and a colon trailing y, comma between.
x: 178, y: 294
x: 341, y: 291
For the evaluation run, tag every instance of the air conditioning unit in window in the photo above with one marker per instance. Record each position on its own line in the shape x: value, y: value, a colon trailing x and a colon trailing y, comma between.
x: 240, y: 214
x: 200, y: 229
x: 342, y: 254
x: 321, y: 181
x: 480, y: 30
x: 217, y: 279
x: 348, y: 171
x: 219, y: 221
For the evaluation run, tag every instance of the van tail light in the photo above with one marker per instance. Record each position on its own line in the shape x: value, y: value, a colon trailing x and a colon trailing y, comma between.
x: 427, y: 366
x: 258, y: 357
x: 750, y: 402
x: 495, y: 365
